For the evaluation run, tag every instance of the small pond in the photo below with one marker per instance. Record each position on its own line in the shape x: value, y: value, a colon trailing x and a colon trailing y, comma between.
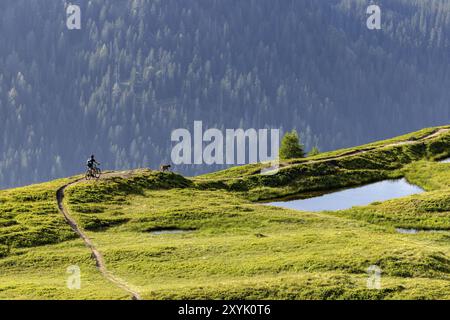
x: 445, y: 160
x: 360, y: 196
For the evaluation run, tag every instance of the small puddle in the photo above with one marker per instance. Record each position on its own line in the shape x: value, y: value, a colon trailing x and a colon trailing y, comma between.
x: 407, y: 231
x: 169, y: 231
x: 445, y: 160
x: 360, y: 196
x: 416, y: 231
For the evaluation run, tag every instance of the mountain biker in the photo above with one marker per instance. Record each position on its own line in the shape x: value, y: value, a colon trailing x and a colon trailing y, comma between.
x: 92, y: 163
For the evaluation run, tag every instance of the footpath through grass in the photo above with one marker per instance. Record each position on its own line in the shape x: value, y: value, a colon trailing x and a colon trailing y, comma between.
x: 227, y: 245
x: 234, y: 249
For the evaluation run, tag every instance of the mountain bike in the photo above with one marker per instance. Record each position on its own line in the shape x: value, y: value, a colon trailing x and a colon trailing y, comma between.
x: 93, y: 173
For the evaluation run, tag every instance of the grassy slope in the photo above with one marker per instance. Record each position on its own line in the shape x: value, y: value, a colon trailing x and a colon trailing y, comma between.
x: 236, y: 248
x: 317, y: 173
x: 247, y: 170
x: 37, y: 246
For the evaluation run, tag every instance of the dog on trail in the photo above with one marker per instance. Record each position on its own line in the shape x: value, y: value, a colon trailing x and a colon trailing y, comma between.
x: 165, y: 167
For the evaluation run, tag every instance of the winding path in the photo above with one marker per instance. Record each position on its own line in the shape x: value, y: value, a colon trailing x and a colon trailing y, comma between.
x: 121, y: 283
x: 88, y: 242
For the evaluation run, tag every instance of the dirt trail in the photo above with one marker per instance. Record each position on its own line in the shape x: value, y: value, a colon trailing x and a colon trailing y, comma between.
x: 88, y: 242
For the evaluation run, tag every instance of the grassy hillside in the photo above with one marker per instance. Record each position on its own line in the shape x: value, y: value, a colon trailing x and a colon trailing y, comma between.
x: 233, y: 247
x: 332, y: 170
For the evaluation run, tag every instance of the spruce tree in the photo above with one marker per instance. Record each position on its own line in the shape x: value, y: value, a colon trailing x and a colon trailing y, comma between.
x: 291, y: 147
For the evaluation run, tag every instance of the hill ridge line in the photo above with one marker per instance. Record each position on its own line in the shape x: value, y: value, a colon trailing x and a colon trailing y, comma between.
x: 437, y: 133
x: 389, y: 145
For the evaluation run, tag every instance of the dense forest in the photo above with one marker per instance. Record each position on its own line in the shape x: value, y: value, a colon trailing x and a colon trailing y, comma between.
x: 139, y: 69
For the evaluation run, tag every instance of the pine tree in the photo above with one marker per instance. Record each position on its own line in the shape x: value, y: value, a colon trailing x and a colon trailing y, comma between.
x: 291, y: 147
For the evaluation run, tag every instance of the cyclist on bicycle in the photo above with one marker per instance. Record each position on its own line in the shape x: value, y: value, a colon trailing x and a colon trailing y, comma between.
x: 92, y: 163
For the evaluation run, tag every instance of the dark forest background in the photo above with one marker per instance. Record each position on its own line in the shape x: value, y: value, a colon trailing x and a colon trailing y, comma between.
x: 139, y: 69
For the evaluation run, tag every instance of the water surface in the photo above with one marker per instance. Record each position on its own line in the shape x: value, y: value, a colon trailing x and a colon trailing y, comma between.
x: 169, y: 231
x: 416, y: 231
x: 360, y: 196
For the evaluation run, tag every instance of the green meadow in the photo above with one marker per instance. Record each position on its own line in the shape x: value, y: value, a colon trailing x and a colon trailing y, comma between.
x: 213, y: 237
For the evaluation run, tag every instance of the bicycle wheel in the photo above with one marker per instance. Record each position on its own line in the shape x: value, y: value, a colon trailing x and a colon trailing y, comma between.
x: 88, y: 175
x: 97, y: 173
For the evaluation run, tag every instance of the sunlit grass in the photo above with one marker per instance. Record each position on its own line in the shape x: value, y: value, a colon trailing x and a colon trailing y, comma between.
x: 233, y: 247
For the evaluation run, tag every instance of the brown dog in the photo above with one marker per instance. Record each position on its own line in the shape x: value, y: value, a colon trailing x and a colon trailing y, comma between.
x: 165, y: 167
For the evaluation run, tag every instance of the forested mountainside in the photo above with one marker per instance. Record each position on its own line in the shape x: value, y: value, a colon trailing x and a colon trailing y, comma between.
x: 139, y: 69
